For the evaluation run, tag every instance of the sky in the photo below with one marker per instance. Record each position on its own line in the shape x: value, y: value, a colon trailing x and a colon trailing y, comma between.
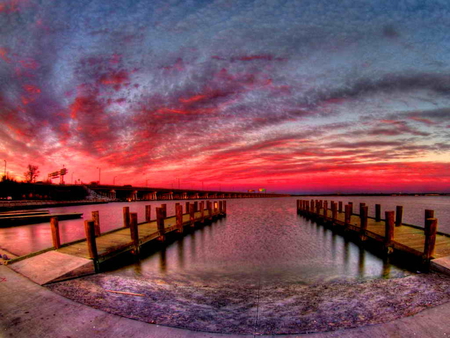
x: 309, y: 96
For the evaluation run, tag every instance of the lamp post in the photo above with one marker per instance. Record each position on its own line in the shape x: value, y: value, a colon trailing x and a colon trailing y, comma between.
x: 99, y: 174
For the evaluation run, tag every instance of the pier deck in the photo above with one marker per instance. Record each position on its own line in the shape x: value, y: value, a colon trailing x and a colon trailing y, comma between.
x: 425, y: 243
x: 406, y: 237
x: 117, y: 241
x: 84, y: 256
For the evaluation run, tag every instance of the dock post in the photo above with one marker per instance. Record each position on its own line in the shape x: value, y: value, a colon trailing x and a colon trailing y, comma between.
x: 340, y: 206
x: 351, y: 207
x: 192, y: 214
x: 160, y: 223
x: 225, y: 208
x: 195, y: 206
x: 307, y: 207
x: 148, y: 213
x: 54, y: 226
x: 215, y: 207
x: 89, y: 230
x: 312, y: 207
x: 164, y: 208
x: 96, y: 219
x: 377, y: 213
x: 430, y: 237
x: 428, y: 214
x: 134, y: 232
x: 220, y: 207
x: 298, y: 207
x: 209, y: 207
x: 202, y: 211
x: 179, y: 217
x: 363, y: 221
x: 126, y: 217
x: 334, y: 211
x: 361, y: 205
x: 348, y: 214
x: 389, y: 230
x: 325, y: 210
x: 318, y: 207
x: 398, y: 215
x: 187, y: 207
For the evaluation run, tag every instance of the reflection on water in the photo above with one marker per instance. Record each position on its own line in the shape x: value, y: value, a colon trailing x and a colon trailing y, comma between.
x: 262, y: 241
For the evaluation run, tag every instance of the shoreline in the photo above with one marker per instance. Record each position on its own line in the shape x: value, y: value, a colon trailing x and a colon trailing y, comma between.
x: 236, y: 307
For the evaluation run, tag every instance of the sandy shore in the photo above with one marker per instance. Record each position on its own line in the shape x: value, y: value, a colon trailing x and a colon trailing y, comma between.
x: 232, y: 306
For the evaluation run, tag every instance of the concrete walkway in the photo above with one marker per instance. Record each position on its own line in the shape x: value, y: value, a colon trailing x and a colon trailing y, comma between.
x: 29, y: 310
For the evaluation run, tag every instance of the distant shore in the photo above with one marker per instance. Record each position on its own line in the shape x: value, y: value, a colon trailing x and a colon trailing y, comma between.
x: 6, y: 205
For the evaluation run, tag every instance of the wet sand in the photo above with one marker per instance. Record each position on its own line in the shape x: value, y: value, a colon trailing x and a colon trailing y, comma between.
x: 227, y: 305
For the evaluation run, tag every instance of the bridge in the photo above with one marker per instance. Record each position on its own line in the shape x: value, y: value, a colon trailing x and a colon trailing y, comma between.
x: 130, y: 193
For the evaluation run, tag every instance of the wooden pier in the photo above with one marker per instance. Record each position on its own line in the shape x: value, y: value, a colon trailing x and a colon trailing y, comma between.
x: 102, y: 247
x: 390, y: 232
x: 86, y: 255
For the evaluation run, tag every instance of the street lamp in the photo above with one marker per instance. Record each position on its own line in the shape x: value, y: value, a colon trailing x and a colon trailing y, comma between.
x: 99, y: 174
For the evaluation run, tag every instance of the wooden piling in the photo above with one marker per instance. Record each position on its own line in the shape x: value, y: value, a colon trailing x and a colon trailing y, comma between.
x: 428, y: 214
x: 377, y: 213
x: 89, y: 230
x: 312, y: 206
x: 202, y: 211
x: 361, y: 205
x: 209, y: 207
x: 225, y: 208
x: 431, y: 225
x: 340, y: 206
x: 96, y: 219
x: 351, y: 207
x: 398, y: 215
x: 348, y: 214
x: 134, y: 232
x: 188, y: 206
x: 192, y: 214
x: 160, y: 222
x: 215, y: 207
x: 196, y: 206
x: 298, y: 206
x: 54, y: 226
x: 126, y: 217
x: 179, y: 217
x: 148, y: 213
x: 364, y: 213
x: 334, y: 211
x: 164, y: 208
x: 389, y: 230
x: 221, y: 207
x: 325, y: 210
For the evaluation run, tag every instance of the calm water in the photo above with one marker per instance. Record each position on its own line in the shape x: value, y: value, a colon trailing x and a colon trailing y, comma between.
x: 259, y: 237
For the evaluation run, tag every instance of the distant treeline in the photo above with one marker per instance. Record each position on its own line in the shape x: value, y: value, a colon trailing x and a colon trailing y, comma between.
x: 35, y: 191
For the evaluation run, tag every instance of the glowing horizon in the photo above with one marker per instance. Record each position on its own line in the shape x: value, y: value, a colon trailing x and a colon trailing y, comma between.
x: 295, y: 97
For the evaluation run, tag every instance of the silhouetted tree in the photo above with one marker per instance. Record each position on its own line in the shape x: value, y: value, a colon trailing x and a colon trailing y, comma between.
x: 31, y: 174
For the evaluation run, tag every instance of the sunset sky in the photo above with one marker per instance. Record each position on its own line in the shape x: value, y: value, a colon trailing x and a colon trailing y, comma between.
x: 307, y: 96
